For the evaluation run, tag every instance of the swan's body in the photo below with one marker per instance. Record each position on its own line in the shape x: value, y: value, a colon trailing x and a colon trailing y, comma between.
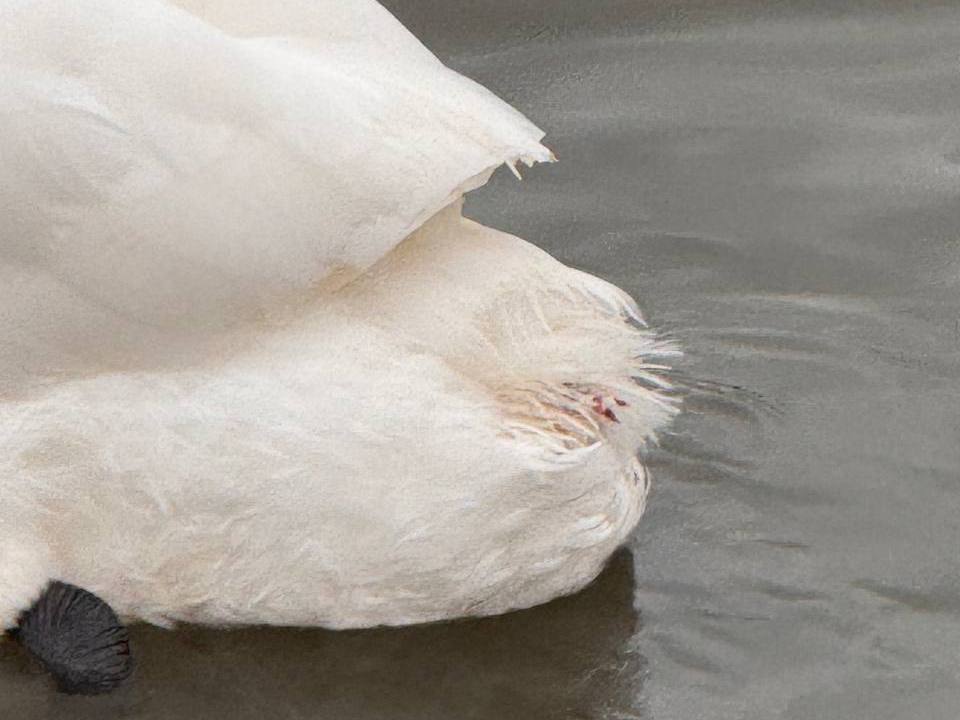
x: 258, y: 367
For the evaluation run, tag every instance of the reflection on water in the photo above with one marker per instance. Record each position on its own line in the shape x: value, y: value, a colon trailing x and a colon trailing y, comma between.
x: 572, y: 658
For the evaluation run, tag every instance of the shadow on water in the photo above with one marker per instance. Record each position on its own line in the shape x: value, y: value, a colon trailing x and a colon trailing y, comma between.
x: 571, y: 658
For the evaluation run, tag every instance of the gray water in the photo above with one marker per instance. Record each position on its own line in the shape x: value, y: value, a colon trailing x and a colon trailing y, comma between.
x: 778, y: 184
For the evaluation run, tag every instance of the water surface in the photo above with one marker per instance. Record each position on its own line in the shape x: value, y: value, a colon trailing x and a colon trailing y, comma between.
x: 778, y: 184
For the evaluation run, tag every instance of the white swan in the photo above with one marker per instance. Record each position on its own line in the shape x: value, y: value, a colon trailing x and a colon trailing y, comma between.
x: 256, y: 367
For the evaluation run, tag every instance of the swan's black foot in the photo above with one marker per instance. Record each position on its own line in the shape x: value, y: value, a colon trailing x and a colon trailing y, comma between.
x: 78, y: 639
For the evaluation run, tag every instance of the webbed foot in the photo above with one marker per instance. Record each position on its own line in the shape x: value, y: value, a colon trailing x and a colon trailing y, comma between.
x: 78, y: 639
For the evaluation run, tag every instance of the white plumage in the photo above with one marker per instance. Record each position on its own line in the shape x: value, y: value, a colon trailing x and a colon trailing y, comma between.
x: 256, y: 366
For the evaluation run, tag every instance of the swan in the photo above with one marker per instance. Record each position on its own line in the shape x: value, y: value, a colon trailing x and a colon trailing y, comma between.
x: 258, y: 367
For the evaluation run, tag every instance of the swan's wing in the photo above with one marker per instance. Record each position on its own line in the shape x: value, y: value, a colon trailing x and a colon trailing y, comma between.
x: 168, y: 166
x: 363, y: 22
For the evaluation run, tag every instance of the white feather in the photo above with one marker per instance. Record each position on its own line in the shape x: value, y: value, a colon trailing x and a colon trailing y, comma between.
x: 257, y: 367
